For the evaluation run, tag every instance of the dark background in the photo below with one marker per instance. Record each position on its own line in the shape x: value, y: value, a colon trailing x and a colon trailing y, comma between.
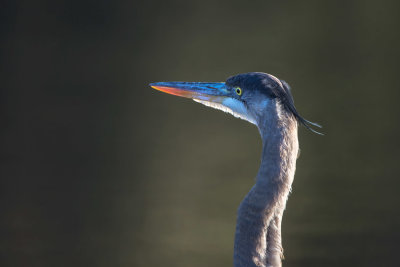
x: 98, y: 169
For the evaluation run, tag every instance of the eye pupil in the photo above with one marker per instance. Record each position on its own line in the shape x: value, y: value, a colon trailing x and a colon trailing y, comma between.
x: 238, y: 91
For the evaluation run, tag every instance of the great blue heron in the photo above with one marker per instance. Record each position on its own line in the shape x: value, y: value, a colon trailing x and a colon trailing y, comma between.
x: 265, y: 101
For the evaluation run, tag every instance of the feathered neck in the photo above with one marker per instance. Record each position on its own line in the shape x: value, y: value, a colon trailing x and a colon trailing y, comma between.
x: 258, y: 235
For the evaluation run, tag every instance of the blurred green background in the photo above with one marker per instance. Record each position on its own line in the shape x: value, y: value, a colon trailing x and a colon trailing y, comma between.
x: 98, y: 169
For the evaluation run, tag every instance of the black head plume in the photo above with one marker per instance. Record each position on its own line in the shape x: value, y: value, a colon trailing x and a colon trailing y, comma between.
x: 286, y: 98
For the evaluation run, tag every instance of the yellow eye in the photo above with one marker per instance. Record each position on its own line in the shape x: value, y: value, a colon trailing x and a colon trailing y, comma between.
x: 238, y: 90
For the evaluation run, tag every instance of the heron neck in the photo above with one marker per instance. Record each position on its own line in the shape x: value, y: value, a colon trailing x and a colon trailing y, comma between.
x: 254, y: 245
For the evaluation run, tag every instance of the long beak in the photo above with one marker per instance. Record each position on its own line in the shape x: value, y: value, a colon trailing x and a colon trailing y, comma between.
x: 213, y: 92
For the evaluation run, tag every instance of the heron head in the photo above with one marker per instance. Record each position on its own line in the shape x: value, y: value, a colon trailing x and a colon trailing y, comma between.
x: 244, y: 95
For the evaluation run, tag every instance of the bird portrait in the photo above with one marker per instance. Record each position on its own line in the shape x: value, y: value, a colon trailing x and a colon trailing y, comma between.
x: 168, y: 133
x: 265, y: 101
